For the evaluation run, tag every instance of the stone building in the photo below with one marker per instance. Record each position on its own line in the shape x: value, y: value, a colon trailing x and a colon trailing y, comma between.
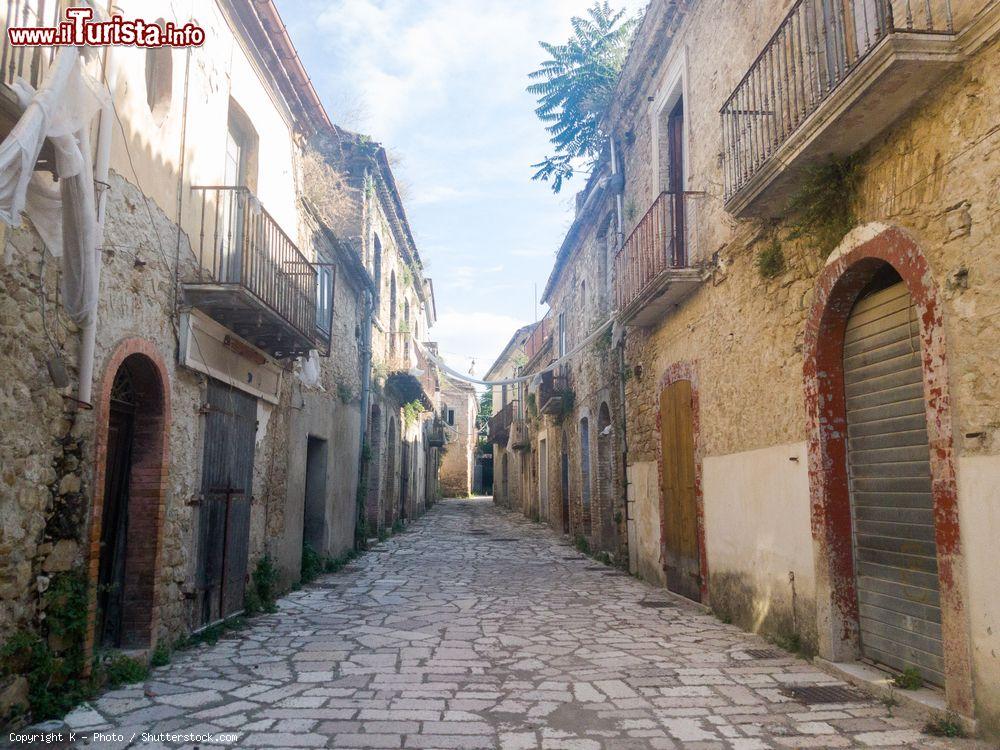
x: 400, y: 394
x: 800, y: 207
x: 459, y: 409
x: 510, y: 472
x: 190, y: 340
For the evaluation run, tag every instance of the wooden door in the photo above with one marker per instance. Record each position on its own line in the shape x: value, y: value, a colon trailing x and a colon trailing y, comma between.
x: 114, y: 525
x: 227, y: 486
x: 543, y: 478
x: 682, y: 558
x: 895, y: 553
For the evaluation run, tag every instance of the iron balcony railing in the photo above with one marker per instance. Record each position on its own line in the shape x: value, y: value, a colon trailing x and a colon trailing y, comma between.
x: 29, y: 63
x: 553, y: 388
x: 500, y: 424
x: 813, y: 51
x: 662, y: 240
x: 241, y: 244
x: 537, y: 340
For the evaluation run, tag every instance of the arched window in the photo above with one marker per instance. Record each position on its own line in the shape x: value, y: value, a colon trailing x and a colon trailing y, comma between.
x: 377, y: 268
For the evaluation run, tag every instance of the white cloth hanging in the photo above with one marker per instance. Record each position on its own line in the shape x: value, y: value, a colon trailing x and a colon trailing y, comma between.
x: 63, y: 213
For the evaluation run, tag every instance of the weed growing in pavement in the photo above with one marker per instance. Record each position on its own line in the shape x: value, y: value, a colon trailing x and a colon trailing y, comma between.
x: 161, y: 655
x: 945, y: 726
x: 908, y: 679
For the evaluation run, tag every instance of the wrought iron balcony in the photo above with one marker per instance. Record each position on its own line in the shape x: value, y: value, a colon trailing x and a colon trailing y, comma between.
x: 539, y: 338
x: 436, y: 436
x: 500, y: 424
x: 653, y: 269
x: 833, y: 76
x: 29, y: 63
x: 252, y: 278
x: 553, y: 390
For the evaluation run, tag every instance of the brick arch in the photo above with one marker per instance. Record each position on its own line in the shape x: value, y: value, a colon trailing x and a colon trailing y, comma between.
x: 147, y: 489
x: 864, y: 252
x: 685, y: 371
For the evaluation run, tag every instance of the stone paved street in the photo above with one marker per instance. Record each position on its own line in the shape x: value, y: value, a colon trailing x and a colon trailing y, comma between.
x: 478, y: 629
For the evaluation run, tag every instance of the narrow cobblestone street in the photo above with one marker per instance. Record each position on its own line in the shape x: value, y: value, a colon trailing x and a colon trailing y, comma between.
x: 478, y: 629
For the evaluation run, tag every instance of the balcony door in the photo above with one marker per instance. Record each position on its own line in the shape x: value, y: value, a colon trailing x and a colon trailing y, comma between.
x: 675, y: 183
x: 239, y: 145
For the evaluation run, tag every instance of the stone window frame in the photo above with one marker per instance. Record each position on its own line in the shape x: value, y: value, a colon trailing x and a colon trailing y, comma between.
x: 673, y: 86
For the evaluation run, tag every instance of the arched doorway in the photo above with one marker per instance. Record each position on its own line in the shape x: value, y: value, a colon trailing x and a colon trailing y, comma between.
x: 372, y: 466
x: 605, y: 479
x: 130, y: 482
x: 866, y: 379
x: 391, y: 446
x: 404, y: 479
x: 564, y: 476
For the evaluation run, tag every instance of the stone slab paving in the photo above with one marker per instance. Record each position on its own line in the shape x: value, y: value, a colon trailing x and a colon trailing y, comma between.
x: 447, y: 637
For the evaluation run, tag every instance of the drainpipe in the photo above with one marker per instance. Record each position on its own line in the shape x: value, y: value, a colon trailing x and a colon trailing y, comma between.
x: 618, y: 181
x: 621, y: 394
x: 619, y: 185
x: 88, y: 334
x: 366, y: 370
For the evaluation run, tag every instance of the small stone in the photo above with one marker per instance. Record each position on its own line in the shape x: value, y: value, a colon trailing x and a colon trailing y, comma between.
x: 69, y: 484
x: 62, y: 557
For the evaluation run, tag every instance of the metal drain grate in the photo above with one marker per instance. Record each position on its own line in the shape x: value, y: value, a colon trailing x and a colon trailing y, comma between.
x: 506, y: 539
x: 813, y: 694
x: 765, y: 653
x: 596, y: 567
x: 655, y: 605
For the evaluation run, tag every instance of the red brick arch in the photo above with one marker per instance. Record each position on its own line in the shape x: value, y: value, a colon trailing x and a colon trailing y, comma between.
x: 837, y: 290
x: 147, y: 490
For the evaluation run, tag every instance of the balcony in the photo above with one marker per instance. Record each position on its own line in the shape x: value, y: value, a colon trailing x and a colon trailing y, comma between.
x: 500, y: 424
x: 539, y: 338
x: 553, y: 392
x: 519, y: 439
x: 412, y: 376
x: 653, y: 271
x: 252, y: 278
x: 436, y: 437
x: 29, y: 63
x: 835, y: 75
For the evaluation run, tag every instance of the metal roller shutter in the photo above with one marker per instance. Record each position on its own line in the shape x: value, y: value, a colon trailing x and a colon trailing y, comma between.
x: 895, y: 552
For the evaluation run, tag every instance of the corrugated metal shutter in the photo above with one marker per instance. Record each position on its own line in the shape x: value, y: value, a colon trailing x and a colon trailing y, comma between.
x: 894, y: 548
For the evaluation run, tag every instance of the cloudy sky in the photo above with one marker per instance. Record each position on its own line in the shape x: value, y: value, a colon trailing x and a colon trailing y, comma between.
x: 441, y: 84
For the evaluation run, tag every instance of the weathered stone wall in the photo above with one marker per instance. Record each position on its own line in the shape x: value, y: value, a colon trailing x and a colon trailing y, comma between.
x: 456, y: 472
x: 934, y: 174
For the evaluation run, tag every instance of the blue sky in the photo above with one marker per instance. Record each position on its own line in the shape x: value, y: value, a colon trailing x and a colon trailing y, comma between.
x: 441, y: 84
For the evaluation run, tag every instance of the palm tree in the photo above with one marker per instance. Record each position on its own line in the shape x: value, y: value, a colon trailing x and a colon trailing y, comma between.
x: 575, y: 86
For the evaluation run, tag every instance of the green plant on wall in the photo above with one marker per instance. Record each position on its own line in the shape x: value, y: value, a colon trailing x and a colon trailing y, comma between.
x: 406, y: 278
x: 771, y: 260
x: 822, y: 211
x: 411, y: 412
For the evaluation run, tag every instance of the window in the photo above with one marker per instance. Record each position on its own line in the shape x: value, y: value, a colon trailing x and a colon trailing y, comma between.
x: 325, y: 280
x: 451, y: 417
x: 159, y: 79
x: 377, y: 268
x: 562, y: 334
